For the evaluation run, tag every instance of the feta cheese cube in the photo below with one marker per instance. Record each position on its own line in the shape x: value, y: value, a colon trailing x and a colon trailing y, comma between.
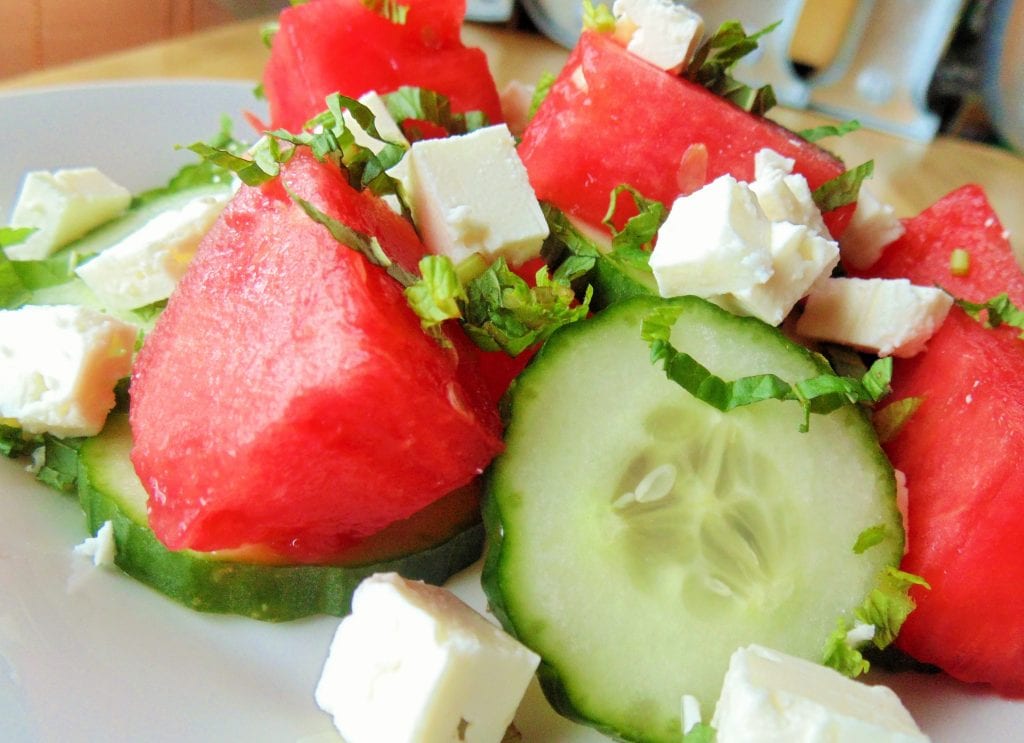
x: 146, y: 266
x: 101, y: 549
x: 714, y: 241
x: 414, y: 663
x: 873, y: 227
x: 784, y: 195
x: 884, y: 316
x: 800, y: 257
x: 663, y: 32
x: 386, y: 125
x: 471, y: 194
x: 59, y: 365
x: 771, y: 697
x: 63, y: 206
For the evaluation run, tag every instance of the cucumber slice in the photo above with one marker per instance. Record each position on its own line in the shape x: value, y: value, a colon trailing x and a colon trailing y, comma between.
x: 432, y: 546
x: 637, y: 536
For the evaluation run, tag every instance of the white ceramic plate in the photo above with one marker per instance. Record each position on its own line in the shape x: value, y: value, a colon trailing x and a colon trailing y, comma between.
x: 89, y: 654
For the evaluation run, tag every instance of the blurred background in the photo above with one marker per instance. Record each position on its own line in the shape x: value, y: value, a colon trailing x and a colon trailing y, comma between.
x: 957, y: 66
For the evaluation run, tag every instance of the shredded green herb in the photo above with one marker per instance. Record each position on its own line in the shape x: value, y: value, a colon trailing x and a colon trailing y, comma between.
x: 843, y: 189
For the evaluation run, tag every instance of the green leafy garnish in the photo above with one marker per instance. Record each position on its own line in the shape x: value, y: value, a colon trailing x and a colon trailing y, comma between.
x: 714, y: 59
x: 14, y: 235
x: 367, y: 245
x: 16, y: 443
x: 598, y: 17
x: 885, y: 608
x: 499, y: 310
x: 700, y: 733
x: 565, y: 247
x: 420, y: 104
x: 250, y: 171
x: 540, y: 93
x: 999, y: 310
x: 821, y: 132
x: 843, y: 189
x: 870, y: 537
x: 267, y: 33
x: 821, y: 394
x: 639, y: 230
x: 205, y: 171
x: 889, y: 420
x: 13, y: 291
x: 393, y: 11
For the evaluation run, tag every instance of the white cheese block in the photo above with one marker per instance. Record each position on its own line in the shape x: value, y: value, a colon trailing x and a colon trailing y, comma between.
x: 101, y: 549
x: 412, y: 663
x: 59, y: 365
x: 471, y: 194
x: 146, y: 266
x: 714, y: 241
x: 770, y: 697
x: 874, y: 225
x: 800, y: 258
x: 663, y: 32
x: 63, y: 206
x: 890, y: 317
x: 385, y: 123
x: 784, y: 195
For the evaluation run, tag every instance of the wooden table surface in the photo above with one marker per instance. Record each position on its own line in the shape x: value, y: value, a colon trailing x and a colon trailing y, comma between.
x: 908, y: 175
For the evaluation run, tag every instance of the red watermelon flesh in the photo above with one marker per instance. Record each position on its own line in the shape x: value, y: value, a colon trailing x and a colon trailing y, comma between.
x: 288, y: 396
x: 961, y: 452
x: 613, y: 118
x: 328, y: 46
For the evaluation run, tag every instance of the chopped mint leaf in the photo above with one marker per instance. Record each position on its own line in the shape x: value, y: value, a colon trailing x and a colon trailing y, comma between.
x: 566, y: 247
x: 841, y: 656
x: 259, y: 92
x: 889, y: 420
x: 420, y: 104
x: 700, y: 733
x: 438, y: 293
x: 639, y: 230
x: 889, y: 604
x: 999, y: 310
x: 541, y: 92
x: 843, y: 189
x: 14, y: 235
x: 393, y: 11
x: 828, y: 130
x: 504, y: 312
x: 367, y: 245
x: 206, y: 171
x: 251, y: 172
x: 16, y: 443
x: 959, y: 262
x: 821, y: 394
x: 714, y: 59
x: 268, y: 31
x: 13, y: 291
x: 598, y: 17
x: 870, y: 537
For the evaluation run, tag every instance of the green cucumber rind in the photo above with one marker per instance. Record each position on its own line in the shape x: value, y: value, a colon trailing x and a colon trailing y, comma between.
x: 553, y: 684
x: 268, y: 592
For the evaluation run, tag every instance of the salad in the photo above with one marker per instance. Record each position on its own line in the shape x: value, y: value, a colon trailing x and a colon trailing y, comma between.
x: 812, y: 424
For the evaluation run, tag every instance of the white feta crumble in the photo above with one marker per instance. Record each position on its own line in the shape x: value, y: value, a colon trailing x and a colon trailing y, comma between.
x: 59, y: 365
x: 471, y: 194
x: 101, y: 548
x: 771, y: 697
x: 889, y: 317
x: 412, y: 663
x: 690, y: 712
x: 873, y: 227
x: 714, y: 241
x: 147, y: 264
x: 783, y: 195
x: 663, y: 32
x: 63, y: 206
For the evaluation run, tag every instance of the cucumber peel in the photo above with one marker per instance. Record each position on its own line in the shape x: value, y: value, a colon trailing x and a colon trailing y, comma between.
x: 641, y: 540
x: 431, y: 546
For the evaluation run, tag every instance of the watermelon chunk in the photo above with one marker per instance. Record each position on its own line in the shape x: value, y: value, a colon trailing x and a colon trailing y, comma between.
x: 613, y: 118
x: 288, y: 396
x: 327, y: 46
x: 961, y: 451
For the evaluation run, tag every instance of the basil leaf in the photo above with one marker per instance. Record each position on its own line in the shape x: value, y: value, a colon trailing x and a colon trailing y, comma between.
x: 13, y: 291
x: 828, y: 130
x: 999, y: 310
x: 821, y: 394
x: 700, y: 733
x: 250, y: 172
x: 393, y: 11
x: 639, y: 230
x: 598, y: 17
x: 714, y: 59
x: 438, y: 294
x: 843, y: 189
x: 566, y: 248
x: 889, y: 420
x: 420, y: 104
x: 540, y: 93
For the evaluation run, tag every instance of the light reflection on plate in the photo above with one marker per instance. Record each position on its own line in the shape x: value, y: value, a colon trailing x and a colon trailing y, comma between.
x: 88, y: 654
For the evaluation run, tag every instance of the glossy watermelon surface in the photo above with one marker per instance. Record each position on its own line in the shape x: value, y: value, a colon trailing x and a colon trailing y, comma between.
x: 327, y: 46
x: 961, y: 451
x: 613, y: 118
x: 288, y: 395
